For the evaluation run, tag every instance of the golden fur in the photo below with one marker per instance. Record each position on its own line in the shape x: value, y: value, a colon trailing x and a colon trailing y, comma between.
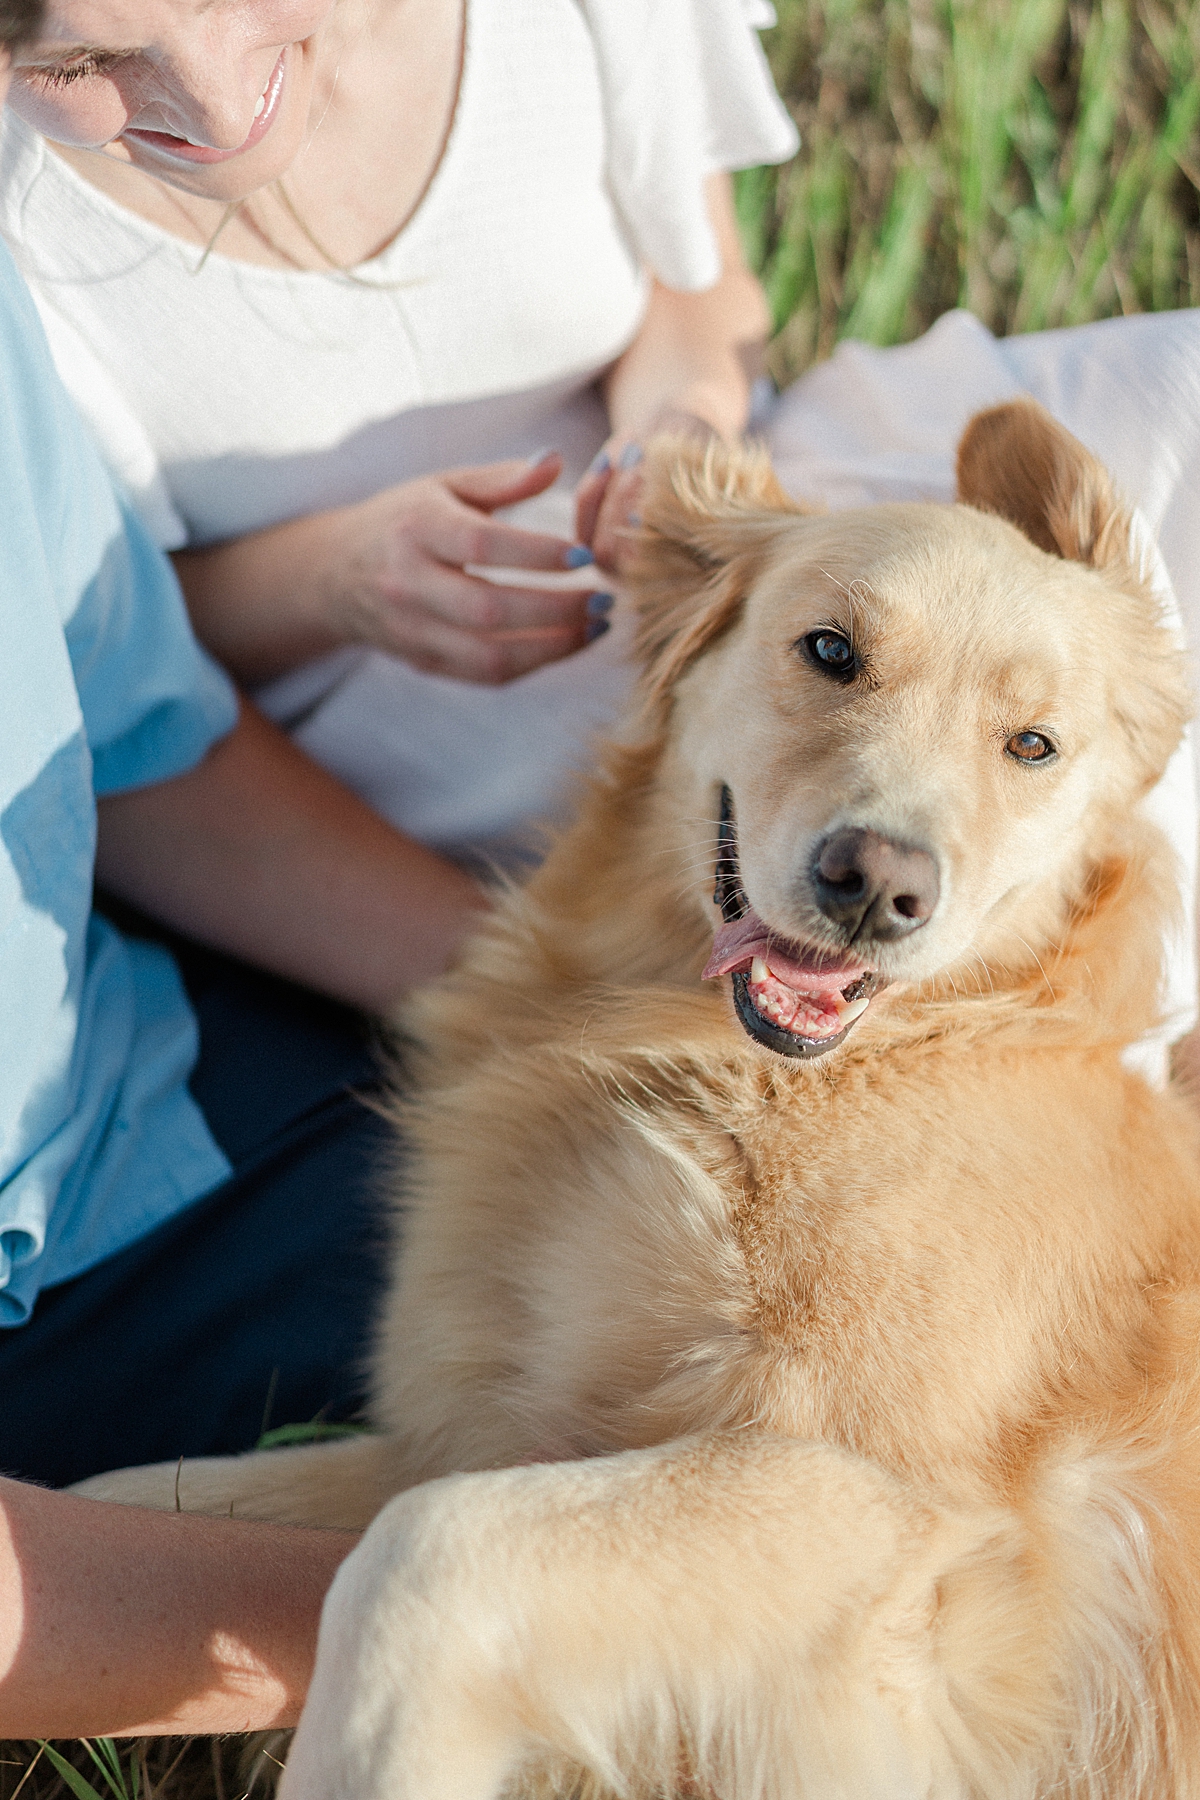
x: 842, y: 1417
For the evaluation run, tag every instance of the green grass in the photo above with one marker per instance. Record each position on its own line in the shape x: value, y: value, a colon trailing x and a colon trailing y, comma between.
x: 119, y: 1781
x: 146, y: 1769
x: 1034, y: 160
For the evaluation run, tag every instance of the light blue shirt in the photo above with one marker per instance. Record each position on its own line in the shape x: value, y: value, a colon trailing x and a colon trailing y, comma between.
x: 102, y: 688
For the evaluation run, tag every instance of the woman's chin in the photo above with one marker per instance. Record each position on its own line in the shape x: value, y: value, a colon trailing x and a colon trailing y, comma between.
x: 234, y: 178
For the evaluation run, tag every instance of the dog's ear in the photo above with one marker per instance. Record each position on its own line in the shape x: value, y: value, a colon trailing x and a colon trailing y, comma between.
x: 1018, y: 461
x: 709, y: 513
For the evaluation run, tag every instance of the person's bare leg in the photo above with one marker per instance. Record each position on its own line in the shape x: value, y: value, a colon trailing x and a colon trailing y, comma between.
x: 118, y: 1621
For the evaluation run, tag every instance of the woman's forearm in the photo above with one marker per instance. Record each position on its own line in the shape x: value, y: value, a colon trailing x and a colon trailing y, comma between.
x: 258, y: 602
x: 689, y: 369
x: 259, y: 852
x: 115, y: 1621
x: 696, y: 355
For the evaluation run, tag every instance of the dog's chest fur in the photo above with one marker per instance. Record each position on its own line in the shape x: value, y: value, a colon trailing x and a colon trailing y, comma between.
x: 917, y: 1296
x: 882, y: 1255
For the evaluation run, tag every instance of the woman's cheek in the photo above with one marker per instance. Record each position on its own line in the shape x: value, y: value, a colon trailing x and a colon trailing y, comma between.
x: 85, y: 114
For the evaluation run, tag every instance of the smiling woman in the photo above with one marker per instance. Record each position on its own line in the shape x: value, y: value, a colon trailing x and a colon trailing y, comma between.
x: 257, y: 234
x: 182, y: 87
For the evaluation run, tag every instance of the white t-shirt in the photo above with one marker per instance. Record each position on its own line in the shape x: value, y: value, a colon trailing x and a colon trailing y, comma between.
x: 233, y: 396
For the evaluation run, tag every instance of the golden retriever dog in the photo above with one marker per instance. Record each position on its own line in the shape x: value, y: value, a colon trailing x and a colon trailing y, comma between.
x: 791, y: 1386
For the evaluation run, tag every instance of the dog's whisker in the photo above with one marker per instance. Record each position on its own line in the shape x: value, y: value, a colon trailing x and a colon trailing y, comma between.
x: 1025, y: 945
x: 982, y: 961
x: 706, y: 861
x: 834, y: 580
x: 694, y: 854
x: 689, y: 849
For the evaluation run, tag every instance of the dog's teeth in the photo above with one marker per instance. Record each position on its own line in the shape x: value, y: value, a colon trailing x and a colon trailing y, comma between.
x: 759, y: 970
x: 849, y: 1010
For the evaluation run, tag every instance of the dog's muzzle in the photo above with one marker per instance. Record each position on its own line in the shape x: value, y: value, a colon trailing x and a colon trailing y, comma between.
x: 794, y: 999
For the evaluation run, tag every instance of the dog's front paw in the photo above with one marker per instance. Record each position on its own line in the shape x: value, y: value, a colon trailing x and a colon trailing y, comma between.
x: 406, y: 1701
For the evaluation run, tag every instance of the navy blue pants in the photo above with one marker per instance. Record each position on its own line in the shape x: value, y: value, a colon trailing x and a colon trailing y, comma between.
x: 254, y: 1307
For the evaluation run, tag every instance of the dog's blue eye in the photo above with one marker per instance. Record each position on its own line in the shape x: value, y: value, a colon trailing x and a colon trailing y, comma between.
x: 1029, y: 746
x: 832, y: 653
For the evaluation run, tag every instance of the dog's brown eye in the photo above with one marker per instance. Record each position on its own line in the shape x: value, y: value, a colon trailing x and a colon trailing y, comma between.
x: 1029, y: 746
x: 832, y: 653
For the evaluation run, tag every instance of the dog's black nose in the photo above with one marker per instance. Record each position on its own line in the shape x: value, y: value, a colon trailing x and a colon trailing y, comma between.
x: 874, y: 887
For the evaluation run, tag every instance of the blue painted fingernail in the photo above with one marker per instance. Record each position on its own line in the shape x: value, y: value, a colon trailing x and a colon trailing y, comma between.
x: 599, y: 463
x: 596, y: 629
x: 598, y: 605
x: 578, y: 557
x: 631, y: 456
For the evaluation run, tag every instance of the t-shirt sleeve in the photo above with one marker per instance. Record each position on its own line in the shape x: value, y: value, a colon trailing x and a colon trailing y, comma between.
x: 687, y: 92
x: 124, y: 442
x: 153, y: 703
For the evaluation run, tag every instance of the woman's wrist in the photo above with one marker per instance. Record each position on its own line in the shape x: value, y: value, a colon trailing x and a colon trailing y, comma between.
x: 709, y: 404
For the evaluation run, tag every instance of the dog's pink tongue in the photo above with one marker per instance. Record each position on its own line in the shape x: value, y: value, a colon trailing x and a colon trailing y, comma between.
x: 738, y: 942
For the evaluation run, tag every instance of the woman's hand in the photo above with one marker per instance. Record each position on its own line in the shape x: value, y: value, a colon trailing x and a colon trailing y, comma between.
x: 608, y: 498
x: 401, y: 572
x: 407, y: 584
x: 117, y: 1620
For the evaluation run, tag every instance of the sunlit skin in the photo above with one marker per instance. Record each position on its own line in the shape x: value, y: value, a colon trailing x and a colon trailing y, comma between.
x: 173, y: 87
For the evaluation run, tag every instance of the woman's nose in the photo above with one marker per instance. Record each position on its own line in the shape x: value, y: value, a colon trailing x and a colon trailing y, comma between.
x: 213, y: 106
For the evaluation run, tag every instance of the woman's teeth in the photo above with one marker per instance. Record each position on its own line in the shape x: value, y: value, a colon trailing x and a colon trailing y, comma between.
x: 262, y: 98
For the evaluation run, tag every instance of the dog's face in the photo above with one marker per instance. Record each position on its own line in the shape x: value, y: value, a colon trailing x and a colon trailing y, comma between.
x: 913, y: 723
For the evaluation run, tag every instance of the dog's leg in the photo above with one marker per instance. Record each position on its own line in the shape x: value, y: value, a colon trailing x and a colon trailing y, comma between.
x: 747, y: 1615
x: 341, y: 1483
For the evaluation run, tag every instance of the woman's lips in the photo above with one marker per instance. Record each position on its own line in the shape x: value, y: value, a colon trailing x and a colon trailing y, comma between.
x: 183, y: 151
